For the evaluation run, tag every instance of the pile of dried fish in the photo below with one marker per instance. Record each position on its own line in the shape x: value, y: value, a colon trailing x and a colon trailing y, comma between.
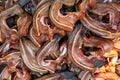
x: 59, y: 40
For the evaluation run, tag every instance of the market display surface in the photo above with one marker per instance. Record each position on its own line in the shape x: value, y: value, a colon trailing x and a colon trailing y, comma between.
x: 59, y: 40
